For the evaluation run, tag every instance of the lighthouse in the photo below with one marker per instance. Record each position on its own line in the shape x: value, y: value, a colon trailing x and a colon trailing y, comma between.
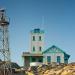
x: 36, y: 41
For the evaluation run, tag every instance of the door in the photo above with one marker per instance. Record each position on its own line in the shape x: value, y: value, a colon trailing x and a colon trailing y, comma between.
x: 48, y: 59
x: 58, y: 59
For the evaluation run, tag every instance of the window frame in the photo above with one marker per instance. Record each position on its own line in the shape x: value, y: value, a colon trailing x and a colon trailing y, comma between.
x: 40, y: 48
x: 40, y: 39
x: 33, y: 48
x: 33, y: 38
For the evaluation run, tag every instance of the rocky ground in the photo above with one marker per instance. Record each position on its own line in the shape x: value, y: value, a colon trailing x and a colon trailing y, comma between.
x: 52, y: 69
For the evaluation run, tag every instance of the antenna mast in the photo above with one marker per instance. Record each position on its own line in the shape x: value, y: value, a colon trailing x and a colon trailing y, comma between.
x: 4, y: 43
x: 43, y: 19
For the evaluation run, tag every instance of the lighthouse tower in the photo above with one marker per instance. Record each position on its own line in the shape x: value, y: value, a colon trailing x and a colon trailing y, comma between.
x: 36, y: 41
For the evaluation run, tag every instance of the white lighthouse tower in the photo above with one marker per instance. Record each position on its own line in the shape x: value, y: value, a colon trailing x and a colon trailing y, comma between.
x: 36, y: 41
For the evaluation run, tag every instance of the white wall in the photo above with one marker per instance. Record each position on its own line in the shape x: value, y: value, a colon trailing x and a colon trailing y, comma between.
x: 53, y: 57
x: 36, y: 43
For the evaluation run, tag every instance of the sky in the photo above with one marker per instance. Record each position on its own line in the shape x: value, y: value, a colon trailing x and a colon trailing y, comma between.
x: 55, y: 17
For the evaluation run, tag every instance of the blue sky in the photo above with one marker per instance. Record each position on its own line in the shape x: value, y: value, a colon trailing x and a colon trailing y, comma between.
x: 55, y: 17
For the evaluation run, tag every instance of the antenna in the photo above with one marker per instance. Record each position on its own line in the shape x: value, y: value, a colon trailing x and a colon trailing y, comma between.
x: 43, y: 18
x: 41, y: 26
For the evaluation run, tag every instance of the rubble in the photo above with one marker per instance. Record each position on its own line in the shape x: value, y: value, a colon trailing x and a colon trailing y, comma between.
x: 53, y: 69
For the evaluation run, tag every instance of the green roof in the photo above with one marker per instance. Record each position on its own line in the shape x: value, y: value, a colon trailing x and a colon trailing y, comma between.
x: 37, y: 31
x: 54, y: 49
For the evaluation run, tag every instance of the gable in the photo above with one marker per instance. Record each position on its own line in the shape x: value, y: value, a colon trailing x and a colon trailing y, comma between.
x: 53, y: 49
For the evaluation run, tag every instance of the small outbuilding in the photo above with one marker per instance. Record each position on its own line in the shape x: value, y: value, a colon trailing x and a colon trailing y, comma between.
x: 55, y: 54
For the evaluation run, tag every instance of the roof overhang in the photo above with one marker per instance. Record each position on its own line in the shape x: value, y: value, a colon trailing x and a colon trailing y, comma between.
x: 31, y: 54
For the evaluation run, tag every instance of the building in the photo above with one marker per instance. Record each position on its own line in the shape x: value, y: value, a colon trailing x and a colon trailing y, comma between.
x: 55, y: 54
x: 38, y: 54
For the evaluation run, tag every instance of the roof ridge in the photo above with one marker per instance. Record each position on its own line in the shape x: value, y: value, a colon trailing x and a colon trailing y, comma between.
x: 54, y: 46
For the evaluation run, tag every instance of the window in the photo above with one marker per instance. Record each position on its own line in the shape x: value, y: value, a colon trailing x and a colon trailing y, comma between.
x: 39, y: 38
x: 33, y: 48
x: 40, y: 60
x: 58, y: 59
x: 66, y: 61
x: 48, y: 59
x: 33, y: 38
x: 40, y: 48
x: 33, y: 59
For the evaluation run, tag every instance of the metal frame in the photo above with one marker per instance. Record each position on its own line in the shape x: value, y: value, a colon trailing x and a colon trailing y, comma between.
x: 4, y: 43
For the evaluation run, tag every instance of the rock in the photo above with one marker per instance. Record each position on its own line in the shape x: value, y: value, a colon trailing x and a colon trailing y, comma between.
x: 53, y: 69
